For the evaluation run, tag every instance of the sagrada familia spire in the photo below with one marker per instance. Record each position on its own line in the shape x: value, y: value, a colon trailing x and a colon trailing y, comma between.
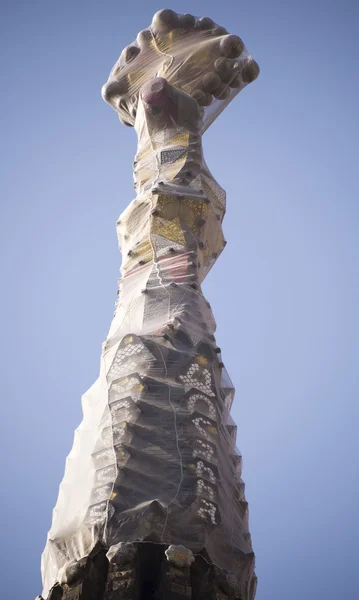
x: 152, y: 503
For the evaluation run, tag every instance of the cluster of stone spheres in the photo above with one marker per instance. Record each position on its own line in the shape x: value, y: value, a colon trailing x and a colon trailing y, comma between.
x: 193, y: 54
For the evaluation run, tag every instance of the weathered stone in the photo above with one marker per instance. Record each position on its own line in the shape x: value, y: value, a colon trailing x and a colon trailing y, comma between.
x: 179, y: 556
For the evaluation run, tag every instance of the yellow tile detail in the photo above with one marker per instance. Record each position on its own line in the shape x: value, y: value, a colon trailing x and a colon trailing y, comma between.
x: 138, y: 387
x: 171, y: 230
x: 181, y: 139
x: 201, y: 360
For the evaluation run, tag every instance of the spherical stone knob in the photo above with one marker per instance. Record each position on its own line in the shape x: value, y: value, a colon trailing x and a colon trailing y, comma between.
x: 228, y: 69
x: 186, y: 21
x: 231, y: 46
x: 165, y: 20
x: 251, y: 71
x: 217, y: 31
x: 115, y: 87
x: 144, y: 38
x: 236, y: 82
x: 202, y: 98
x: 130, y: 53
x: 205, y: 23
x: 222, y: 92
x: 210, y: 82
x: 223, y: 68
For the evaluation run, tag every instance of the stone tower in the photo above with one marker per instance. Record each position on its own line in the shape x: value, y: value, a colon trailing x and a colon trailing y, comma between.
x: 152, y: 502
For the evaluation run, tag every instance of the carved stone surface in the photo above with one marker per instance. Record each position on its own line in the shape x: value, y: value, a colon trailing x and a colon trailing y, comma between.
x: 56, y: 593
x: 86, y: 579
x: 180, y: 556
x: 176, y: 574
x: 71, y: 572
x: 120, y: 583
x: 124, y: 573
x: 121, y: 553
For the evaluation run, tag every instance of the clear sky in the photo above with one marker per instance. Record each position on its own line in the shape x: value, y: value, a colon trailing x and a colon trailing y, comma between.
x: 285, y: 292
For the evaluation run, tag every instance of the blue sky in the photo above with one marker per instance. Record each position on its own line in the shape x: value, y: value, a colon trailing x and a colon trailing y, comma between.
x: 285, y: 292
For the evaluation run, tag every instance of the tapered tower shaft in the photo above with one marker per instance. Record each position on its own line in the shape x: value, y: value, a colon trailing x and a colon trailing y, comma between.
x: 152, y: 502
